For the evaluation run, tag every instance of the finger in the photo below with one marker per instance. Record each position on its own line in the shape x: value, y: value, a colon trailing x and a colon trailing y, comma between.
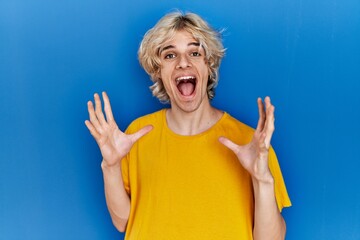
x: 134, y: 137
x: 107, y: 108
x: 267, y: 101
x: 261, y: 121
x: 270, y: 109
x: 98, y: 109
x: 92, y: 130
x: 93, y: 117
x: 262, y: 141
x: 270, y: 119
x: 264, y: 150
x: 229, y: 144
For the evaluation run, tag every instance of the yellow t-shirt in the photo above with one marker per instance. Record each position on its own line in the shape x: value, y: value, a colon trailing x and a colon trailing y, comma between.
x: 191, y: 187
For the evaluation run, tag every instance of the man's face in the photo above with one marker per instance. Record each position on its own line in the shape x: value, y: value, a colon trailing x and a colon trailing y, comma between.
x: 184, y: 72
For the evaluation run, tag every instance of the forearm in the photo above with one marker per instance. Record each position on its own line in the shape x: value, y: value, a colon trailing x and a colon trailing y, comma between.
x: 117, y: 199
x: 268, y: 223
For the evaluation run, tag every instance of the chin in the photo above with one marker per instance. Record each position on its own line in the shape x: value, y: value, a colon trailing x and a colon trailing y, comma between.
x: 193, y: 105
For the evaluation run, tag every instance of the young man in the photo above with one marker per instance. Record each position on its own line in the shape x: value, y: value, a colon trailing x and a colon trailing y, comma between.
x: 190, y: 171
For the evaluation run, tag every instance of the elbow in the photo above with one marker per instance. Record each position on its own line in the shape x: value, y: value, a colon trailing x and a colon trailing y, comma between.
x: 119, y: 220
x: 283, y: 229
x: 281, y: 232
x: 276, y: 232
x: 120, y: 224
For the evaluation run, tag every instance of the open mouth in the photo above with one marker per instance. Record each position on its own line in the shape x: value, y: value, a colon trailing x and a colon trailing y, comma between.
x: 186, y: 85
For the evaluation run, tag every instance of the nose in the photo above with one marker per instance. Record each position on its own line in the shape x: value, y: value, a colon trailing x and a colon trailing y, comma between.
x: 183, y: 61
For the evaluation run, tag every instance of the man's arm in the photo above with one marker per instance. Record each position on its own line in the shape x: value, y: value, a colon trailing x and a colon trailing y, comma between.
x: 117, y: 199
x: 114, y: 146
x: 268, y: 223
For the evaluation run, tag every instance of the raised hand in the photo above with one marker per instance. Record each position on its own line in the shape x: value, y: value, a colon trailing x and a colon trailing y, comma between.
x: 254, y: 155
x: 113, y: 143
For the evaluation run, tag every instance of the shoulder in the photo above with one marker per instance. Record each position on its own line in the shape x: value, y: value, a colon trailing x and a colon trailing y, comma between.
x: 235, y: 129
x: 233, y: 123
x: 154, y: 118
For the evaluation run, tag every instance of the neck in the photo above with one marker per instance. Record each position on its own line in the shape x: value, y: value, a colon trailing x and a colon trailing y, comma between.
x: 194, y: 122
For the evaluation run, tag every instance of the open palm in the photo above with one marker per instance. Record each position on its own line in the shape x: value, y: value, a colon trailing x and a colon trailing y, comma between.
x: 113, y: 143
x: 254, y: 155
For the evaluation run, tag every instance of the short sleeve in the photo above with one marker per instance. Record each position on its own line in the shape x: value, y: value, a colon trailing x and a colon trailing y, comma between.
x: 282, y: 197
x: 125, y: 173
x: 125, y: 162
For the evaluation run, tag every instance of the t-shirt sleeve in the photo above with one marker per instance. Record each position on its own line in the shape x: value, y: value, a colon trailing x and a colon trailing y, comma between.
x: 282, y: 197
x: 125, y: 173
x: 125, y: 162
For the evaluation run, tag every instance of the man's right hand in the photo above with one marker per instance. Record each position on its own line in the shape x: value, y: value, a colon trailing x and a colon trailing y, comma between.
x: 113, y: 143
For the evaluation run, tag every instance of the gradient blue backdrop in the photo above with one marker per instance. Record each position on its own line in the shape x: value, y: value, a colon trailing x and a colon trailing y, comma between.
x: 54, y: 55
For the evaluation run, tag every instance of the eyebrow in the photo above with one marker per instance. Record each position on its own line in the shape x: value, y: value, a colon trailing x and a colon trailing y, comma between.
x: 172, y: 46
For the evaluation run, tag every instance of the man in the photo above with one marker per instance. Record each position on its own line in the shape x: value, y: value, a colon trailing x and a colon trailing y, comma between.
x: 190, y: 171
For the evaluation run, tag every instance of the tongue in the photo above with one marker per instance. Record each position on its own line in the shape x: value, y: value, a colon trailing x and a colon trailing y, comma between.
x: 186, y: 88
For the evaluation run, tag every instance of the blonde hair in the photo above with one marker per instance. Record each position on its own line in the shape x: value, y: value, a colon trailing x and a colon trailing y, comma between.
x: 165, y: 29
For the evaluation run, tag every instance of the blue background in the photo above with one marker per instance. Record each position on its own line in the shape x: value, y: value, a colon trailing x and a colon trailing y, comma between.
x: 54, y: 55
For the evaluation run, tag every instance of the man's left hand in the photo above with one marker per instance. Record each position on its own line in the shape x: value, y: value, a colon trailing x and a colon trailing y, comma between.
x: 254, y: 155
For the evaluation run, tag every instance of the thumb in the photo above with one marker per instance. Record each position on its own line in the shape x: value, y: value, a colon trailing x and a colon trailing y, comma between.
x: 136, y: 136
x: 229, y: 144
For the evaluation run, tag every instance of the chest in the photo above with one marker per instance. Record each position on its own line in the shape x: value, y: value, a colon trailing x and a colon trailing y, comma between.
x: 184, y: 167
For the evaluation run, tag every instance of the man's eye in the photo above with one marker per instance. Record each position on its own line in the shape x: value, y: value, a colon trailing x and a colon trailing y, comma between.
x: 169, y: 56
x: 195, y: 54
